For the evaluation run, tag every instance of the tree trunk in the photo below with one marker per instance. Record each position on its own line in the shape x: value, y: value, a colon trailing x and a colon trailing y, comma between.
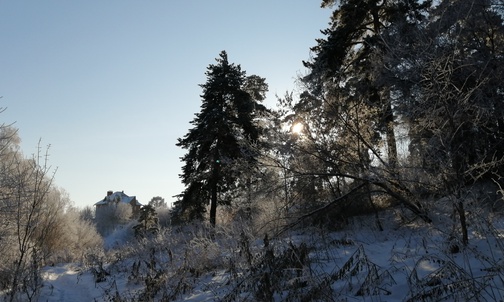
x: 391, y: 139
x: 389, y: 113
x: 375, y: 210
x: 213, y: 199
x: 463, y: 223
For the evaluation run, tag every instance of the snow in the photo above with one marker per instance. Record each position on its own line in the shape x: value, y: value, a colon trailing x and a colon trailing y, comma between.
x: 68, y: 283
x: 405, y: 262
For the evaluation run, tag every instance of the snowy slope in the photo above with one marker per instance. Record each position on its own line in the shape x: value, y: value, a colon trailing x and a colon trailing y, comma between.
x: 405, y: 262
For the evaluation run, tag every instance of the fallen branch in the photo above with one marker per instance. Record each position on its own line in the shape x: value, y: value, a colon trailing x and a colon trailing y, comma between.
x: 319, y: 210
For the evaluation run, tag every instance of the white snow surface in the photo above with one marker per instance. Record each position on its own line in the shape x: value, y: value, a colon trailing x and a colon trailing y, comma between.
x: 404, y: 253
x: 67, y: 282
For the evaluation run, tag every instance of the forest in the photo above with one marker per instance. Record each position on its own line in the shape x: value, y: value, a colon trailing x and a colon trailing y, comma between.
x: 379, y: 179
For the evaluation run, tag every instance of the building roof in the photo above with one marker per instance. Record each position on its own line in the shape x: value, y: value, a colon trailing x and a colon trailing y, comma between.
x: 118, y: 197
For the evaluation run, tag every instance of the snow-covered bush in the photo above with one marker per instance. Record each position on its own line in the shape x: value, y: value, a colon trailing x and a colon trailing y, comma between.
x: 119, y: 236
x: 164, y: 217
x: 77, y: 237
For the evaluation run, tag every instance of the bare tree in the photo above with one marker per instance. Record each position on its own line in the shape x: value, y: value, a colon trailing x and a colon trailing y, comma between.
x: 29, y: 181
x: 158, y: 202
x: 87, y: 214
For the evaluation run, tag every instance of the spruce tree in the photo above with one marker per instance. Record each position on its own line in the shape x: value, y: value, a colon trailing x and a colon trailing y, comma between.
x: 148, y: 222
x: 222, y: 138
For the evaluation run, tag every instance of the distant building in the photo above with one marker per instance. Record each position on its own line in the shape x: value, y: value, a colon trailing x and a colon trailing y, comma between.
x: 113, y: 198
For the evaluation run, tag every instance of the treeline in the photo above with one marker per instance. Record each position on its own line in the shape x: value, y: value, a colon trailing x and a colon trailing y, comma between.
x: 402, y: 101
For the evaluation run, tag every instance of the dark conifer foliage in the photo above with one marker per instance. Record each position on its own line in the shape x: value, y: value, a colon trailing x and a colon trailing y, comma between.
x: 222, y: 137
x: 348, y: 65
x: 148, y: 222
x: 429, y: 69
x: 350, y: 88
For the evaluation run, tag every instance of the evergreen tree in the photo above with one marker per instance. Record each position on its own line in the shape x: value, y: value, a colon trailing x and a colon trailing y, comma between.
x: 148, y: 222
x: 348, y: 67
x: 222, y: 139
x: 349, y: 108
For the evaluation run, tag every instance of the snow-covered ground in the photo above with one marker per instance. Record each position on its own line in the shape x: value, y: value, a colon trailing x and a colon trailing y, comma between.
x: 407, y: 261
x: 68, y: 283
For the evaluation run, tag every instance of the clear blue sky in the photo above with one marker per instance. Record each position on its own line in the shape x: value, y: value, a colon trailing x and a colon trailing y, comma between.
x: 111, y: 85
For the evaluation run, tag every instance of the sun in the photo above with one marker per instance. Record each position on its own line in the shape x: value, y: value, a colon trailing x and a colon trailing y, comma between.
x: 297, y: 128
